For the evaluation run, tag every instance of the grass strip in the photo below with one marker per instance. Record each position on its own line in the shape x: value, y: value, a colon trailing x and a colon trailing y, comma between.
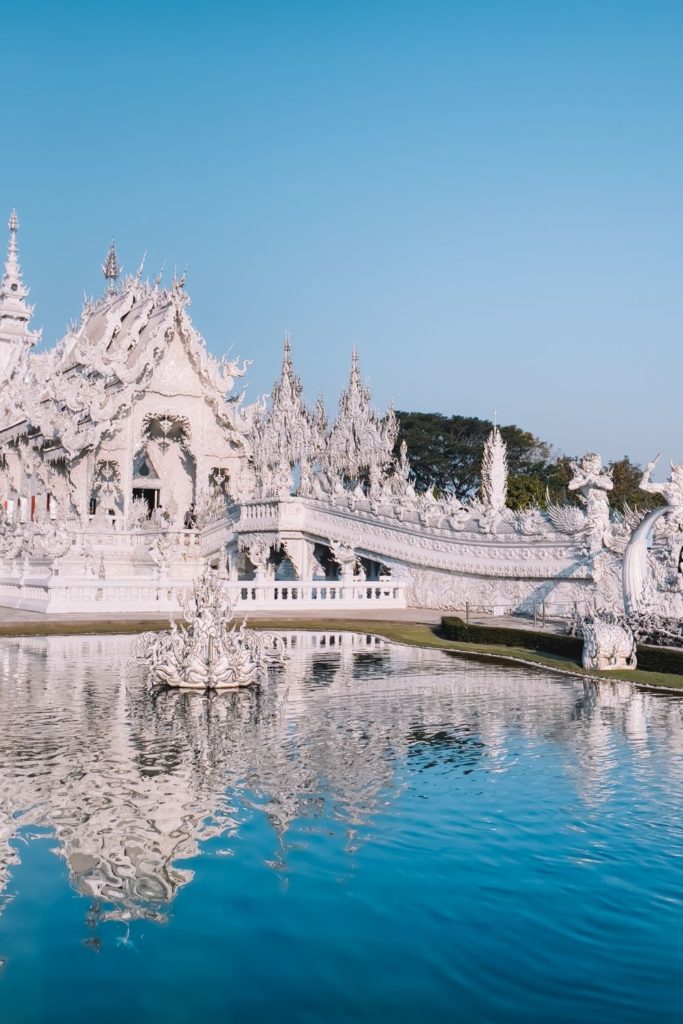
x: 415, y: 634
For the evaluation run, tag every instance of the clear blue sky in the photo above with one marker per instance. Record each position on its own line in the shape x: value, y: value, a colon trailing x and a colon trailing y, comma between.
x: 485, y: 197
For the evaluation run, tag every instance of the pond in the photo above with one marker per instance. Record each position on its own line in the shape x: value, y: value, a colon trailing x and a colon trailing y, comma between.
x: 375, y: 833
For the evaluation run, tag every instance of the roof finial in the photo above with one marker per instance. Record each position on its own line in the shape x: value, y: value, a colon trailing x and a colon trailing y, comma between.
x: 13, y: 225
x: 355, y: 367
x: 111, y: 269
x: 15, y: 312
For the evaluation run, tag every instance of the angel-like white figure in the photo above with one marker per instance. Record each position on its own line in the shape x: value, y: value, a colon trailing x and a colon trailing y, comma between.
x: 593, y: 482
x: 669, y: 529
x: 671, y: 489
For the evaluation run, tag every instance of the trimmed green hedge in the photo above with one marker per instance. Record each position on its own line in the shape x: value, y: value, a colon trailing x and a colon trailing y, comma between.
x: 454, y: 628
x: 660, y: 659
x: 650, y: 659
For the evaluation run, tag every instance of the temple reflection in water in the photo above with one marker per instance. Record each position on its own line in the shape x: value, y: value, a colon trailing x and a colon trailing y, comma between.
x: 131, y: 782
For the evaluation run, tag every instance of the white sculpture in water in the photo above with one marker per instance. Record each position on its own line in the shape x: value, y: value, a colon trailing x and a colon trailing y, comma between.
x: 210, y: 653
x: 607, y: 645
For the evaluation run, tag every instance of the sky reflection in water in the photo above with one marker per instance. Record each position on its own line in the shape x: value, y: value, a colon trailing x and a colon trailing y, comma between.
x: 376, y: 832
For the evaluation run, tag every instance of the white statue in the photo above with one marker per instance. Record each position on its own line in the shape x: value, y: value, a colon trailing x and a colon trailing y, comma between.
x: 644, y: 590
x: 671, y: 490
x: 607, y: 645
x: 593, y: 483
x: 211, y: 652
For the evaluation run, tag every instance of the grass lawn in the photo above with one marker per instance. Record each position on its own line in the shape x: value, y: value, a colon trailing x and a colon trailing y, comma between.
x: 417, y: 634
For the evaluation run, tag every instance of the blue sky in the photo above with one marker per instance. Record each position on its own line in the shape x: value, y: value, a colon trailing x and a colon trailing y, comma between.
x: 486, y: 198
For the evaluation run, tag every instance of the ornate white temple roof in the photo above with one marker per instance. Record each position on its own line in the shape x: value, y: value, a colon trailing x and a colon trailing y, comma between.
x: 75, y: 391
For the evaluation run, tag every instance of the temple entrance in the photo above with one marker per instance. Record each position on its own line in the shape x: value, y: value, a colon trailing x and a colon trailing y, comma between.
x: 148, y: 494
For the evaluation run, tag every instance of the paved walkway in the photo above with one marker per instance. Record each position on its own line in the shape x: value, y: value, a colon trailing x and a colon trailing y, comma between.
x: 19, y: 617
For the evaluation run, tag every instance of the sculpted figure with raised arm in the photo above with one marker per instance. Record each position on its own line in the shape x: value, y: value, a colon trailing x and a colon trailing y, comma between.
x: 593, y: 482
x: 671, y: 489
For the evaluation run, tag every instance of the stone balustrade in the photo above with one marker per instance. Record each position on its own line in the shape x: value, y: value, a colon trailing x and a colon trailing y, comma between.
x: 60, y: 594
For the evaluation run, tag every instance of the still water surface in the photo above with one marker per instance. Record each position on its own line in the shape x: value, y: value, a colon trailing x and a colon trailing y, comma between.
x: 377, y: 833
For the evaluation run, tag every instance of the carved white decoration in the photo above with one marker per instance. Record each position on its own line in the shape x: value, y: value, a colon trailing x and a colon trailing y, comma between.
x: 638, y: 566
x: 210, y: 652
x: 211, y: 507
x: 593, y: 482
x: 566, y: 518
x: 284, y: 435
x: 494, y: 472
x: 671, y: 489
x: 607, y: 645
x: 138, y: 514
x: 360, y: 442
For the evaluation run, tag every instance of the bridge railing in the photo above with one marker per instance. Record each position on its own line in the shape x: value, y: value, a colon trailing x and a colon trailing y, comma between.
x: 163, y: 595
x: 293, y: 595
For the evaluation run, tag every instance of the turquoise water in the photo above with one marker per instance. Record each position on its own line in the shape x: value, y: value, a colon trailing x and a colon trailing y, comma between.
x: 375, y: 834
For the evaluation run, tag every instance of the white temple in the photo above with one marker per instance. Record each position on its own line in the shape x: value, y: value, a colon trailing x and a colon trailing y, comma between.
x: 129, y: 462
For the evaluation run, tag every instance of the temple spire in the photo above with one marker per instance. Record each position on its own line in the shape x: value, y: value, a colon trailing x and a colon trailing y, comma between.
x: 13, y: 225
x: 111, y: 269
x: 494, y: 471
x: 11, y: 281
x: 15, y: 312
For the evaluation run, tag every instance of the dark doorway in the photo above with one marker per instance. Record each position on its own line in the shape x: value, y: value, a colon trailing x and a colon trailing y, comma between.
x: 148, y: 494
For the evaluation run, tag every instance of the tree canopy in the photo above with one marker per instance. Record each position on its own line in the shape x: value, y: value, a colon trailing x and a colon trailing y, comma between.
x: 446, y: 452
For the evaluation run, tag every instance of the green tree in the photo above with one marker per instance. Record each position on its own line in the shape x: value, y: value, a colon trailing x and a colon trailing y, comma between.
x: 626, y: 476
x: 525, y: 491
x: 446, y: 451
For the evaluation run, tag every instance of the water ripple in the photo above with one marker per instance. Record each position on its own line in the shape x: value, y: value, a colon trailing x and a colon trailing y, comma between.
x: 384, y: 831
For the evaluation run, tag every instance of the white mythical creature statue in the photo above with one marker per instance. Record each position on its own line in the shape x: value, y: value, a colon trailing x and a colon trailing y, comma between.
x: 531, y: 522
x: 345, y: 556
x: 211, y: 653
x: 593, y: 483
x: 671, y: 490
x: 257, y: 548
x: 607, y: 645
x: 641, y: 593
x: 456, y: 513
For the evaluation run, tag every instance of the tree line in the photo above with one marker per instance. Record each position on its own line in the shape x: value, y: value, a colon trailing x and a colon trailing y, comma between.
x: 446, y: 452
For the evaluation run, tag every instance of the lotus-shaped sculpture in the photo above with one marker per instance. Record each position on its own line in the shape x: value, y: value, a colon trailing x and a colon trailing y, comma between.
x: 210, y: 652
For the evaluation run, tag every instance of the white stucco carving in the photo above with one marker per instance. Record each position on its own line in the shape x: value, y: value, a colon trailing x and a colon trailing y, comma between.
x: 607, y: 645
x: 210, y: 652
x: 494, y: 472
